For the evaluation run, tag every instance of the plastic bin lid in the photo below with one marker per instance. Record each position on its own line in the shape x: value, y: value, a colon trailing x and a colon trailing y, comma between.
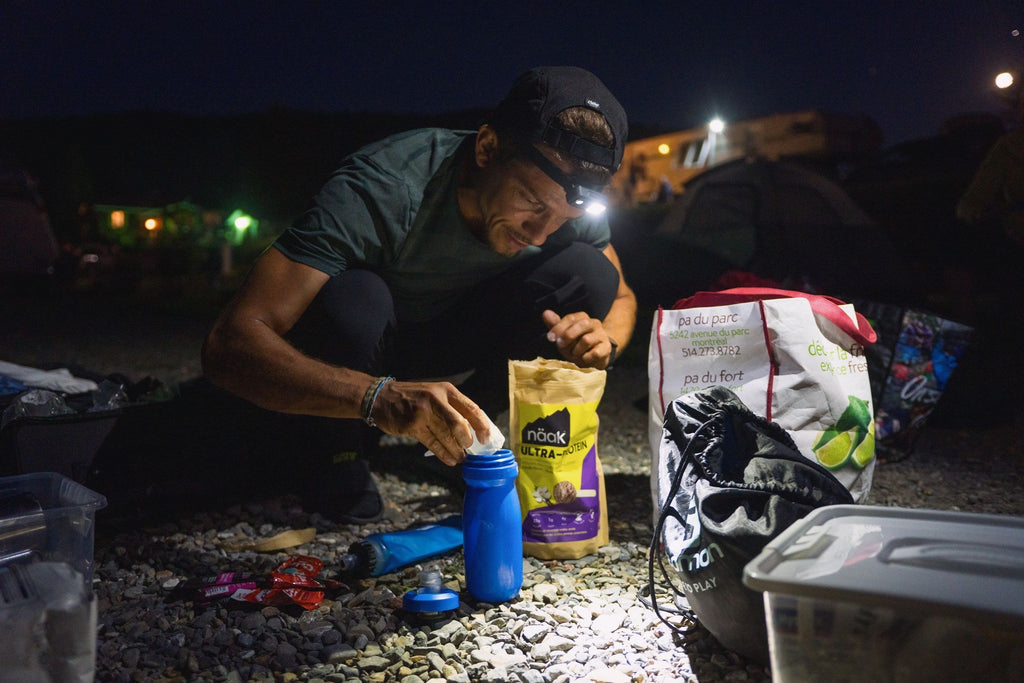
x: 920, y: 560
x: 52, y: 491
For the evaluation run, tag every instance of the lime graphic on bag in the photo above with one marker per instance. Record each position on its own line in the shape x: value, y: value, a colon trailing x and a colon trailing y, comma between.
x: 852, y: 439
x: 553, y: 431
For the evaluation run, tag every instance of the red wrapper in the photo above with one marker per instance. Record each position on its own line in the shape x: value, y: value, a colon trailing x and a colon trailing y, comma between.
x: 298, y: 570
x: 290, y: 584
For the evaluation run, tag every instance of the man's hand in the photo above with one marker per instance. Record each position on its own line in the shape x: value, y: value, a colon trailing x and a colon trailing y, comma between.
x: 436, y: 414
x: 580, y: 338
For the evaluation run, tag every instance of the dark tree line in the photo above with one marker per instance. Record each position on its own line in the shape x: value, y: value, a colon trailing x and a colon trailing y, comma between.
x: 270, y: 163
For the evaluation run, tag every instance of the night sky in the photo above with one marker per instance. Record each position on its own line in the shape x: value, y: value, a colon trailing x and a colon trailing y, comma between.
x: 908, y: 65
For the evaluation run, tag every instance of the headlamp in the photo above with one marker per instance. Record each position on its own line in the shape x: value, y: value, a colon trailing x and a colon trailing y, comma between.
x: 591, y: 201
x: 577, y: 195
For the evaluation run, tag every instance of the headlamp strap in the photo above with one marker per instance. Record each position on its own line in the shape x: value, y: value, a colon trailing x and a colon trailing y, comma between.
x: 575, y: 193
x: 550, y: 170
x: 578, y: 147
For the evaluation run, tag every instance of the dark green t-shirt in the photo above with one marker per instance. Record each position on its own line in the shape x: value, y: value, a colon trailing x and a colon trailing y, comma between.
x: 392, y: 208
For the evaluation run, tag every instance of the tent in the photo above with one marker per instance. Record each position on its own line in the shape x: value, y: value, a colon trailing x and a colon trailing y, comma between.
x: 773, y: 219
x: 27, y: 243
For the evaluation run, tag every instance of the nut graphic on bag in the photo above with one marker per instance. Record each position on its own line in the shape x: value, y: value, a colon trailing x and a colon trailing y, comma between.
x: 565, y: 492
x: 553, y: 431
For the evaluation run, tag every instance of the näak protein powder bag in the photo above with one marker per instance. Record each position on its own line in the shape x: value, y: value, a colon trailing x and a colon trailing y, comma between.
x: 553, y: 432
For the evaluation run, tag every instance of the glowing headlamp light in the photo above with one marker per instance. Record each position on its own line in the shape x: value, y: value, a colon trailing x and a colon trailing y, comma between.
x: 591, y: 201
x: 578, y: 196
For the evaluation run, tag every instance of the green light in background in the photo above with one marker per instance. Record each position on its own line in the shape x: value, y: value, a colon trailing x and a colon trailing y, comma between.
x: 240, y: 224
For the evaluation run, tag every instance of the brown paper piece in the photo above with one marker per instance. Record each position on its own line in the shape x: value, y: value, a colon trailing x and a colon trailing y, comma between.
x: 285, y: 539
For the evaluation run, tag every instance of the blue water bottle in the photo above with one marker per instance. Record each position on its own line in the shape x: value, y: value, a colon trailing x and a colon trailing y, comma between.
x: 492, y: 526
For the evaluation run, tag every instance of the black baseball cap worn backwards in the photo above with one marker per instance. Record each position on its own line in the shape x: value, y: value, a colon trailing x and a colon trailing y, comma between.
x: 528, y: 112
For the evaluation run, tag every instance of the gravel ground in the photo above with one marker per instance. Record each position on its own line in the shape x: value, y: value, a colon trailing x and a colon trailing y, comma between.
x: 575, y: 620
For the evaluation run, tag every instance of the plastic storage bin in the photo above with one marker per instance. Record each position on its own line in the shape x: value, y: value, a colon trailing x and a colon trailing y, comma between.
x: 47, y: 607
x: 46, y: 516
x: 865, y: 593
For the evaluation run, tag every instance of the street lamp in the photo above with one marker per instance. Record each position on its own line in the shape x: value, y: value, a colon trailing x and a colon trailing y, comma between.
x: 715, y: 128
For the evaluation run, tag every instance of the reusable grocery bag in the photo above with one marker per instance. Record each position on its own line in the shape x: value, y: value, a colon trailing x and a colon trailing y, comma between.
x: 793, y: 358
x: 916, y: 354
x: 731, y: 482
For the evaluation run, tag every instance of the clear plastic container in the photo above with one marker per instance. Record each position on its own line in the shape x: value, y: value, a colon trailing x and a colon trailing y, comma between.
x: 47, y: 607
x: 47, y: 517
x: 857, y: 593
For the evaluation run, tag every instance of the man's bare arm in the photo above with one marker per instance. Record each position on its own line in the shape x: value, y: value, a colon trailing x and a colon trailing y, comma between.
x: 246, y: 353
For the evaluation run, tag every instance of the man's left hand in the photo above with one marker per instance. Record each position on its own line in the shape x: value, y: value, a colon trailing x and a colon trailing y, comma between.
x: 579, y: 338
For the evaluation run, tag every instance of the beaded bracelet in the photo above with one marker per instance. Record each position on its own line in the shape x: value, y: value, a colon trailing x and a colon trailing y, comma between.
x: 370, y: 397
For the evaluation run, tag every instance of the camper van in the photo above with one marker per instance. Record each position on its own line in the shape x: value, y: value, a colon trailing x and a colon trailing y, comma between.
x: 658, y: 167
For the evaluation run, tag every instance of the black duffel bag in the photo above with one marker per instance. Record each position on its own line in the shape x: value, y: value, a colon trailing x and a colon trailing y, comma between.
x: 729, y: 481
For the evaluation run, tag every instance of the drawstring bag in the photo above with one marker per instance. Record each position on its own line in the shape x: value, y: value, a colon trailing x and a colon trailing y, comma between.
x: 729, y: 482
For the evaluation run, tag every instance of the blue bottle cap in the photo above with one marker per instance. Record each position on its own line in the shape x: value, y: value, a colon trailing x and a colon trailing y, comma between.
x: 499, y: 458
x: 499, y: 465
x: 425, y: 599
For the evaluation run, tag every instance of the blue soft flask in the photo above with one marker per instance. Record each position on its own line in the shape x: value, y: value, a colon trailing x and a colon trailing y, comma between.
x: 383, y: 553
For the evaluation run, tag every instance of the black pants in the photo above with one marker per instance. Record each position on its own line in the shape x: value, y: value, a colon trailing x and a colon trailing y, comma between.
x: 352, y: 322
